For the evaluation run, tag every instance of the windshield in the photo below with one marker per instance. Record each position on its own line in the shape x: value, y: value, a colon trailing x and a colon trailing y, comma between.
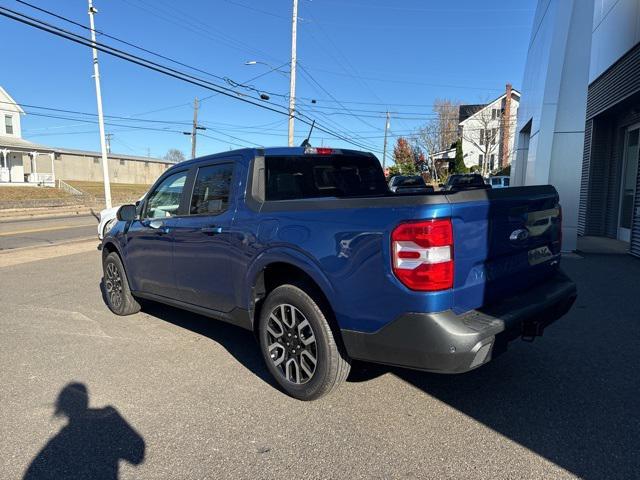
x: 459, y: 180
x: 413, y: 181
x: 313, y: 176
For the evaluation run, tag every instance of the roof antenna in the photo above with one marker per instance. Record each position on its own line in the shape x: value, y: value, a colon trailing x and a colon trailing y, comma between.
x: 305, y: 143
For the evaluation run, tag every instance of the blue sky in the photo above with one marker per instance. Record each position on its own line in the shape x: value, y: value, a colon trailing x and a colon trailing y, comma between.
x: 368, y: 55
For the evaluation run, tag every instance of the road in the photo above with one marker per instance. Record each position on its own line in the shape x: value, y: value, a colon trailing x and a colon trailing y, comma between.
x: 182, y: 396
x: 32, y: 232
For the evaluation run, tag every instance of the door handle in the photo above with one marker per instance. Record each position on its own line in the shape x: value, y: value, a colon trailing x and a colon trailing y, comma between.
x: 211, y: 230
x: 159, y: 227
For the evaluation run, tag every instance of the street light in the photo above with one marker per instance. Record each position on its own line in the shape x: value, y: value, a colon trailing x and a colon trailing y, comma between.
x: 272, y: 68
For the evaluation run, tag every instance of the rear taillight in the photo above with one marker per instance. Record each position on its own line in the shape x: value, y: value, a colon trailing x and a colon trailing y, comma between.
x: 423, y: 254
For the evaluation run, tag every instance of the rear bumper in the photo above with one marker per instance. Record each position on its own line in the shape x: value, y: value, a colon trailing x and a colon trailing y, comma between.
x: 448, y: 343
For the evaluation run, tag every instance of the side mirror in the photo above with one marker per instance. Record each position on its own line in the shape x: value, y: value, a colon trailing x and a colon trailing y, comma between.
x: 127, y: 213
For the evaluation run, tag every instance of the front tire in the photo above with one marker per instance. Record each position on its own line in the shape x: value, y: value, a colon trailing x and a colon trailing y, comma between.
x: 298, y: 345
x: 116, y: 287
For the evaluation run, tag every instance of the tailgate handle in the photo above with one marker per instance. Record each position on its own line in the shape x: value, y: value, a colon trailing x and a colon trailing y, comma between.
x: 211, y: 230
x: 519, y: 235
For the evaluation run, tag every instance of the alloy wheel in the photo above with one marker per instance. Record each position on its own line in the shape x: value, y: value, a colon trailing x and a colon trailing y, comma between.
x: 113, y: 284
x: 291, y: 344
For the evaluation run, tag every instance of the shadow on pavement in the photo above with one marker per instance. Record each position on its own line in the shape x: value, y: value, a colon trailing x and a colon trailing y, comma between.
x: 237, y: 341
x: 573, y: 396
x: 90, y: 445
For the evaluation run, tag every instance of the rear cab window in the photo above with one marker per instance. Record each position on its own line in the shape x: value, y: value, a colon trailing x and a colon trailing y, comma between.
x: 316, y: 176
x: 211, y: 189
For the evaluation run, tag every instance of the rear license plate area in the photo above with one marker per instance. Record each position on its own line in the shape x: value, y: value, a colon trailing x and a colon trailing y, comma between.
x: 539, y: 255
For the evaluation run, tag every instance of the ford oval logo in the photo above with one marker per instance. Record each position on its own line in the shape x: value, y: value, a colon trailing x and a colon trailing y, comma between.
x: 519, y: 235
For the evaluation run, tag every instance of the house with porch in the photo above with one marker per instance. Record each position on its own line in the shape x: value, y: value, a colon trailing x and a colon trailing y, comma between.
x: 19, y: 158
x: 26, y: 163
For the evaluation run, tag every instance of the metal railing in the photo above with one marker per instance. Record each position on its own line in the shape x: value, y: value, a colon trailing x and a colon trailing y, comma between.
x: 62, y: 185
x: 41, y: 178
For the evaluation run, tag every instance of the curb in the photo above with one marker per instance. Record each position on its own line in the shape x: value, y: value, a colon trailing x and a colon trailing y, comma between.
x: 25, y: 214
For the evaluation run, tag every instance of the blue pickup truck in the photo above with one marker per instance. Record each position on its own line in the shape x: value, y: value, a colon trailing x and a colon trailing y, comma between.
x: 309, y: 249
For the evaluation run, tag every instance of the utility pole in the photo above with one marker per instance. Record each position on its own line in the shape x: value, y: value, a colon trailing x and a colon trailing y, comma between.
x: 96, y: 76
x: 292, y: 76
x: 108, y: 138
x: 384, y: 148
x: 195, y: 128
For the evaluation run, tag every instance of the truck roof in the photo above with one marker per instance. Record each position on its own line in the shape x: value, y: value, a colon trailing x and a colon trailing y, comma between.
x: 270, y: 151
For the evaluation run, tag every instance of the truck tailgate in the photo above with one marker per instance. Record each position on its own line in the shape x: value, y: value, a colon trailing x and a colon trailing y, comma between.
x: 504, y: 242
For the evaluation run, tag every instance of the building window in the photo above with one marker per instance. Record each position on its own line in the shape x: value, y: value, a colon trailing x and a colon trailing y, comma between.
x: 96, y: 160
x: 493, y: 114
x: 480, y: 159
x: 494, y: 134
x: 8, y: 124
x: 492, y: 162
x: 482, y: 136
x: 122, y: 162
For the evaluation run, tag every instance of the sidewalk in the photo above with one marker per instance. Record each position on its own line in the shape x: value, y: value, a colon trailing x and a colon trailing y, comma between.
x: 12, y: 214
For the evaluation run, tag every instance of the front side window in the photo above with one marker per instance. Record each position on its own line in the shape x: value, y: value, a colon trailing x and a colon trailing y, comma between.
x: 164, y: 201
x: 8, y: 124
x: 211, y: 190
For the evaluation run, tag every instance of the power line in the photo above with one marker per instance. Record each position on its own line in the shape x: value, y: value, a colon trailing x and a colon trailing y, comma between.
x: 329, y: 93
x: 138, y: 47
x: 194, y: 25
x: 44, y: 26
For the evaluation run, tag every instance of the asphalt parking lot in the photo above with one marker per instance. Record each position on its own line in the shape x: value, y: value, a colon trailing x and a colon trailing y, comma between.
x: 175, y: 395
x: 33, y: 232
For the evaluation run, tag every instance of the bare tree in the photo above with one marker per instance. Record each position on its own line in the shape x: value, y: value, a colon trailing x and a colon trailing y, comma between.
x: 448, y: 112
x: 429, y: 137
x: 174, y: 155
x: 439, y: 133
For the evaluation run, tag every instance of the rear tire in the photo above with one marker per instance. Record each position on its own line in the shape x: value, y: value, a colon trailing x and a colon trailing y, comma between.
x: 116, y: 287
x: 298, y: 345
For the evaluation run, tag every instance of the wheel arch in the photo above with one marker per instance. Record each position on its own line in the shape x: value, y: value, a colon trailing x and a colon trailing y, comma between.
x: 279, y: 268
x: 111, y: 246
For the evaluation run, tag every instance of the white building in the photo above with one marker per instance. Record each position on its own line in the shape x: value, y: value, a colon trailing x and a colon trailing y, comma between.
x: 14, y: 150
x: 24, y: 162
x: 488, y: 131
x: 579, y: 122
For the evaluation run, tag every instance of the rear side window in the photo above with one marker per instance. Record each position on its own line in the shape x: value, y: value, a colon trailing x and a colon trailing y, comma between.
x: 211, y: 190
x: 314, y: 176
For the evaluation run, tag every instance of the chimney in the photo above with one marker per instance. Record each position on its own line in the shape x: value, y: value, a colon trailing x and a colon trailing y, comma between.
x: 506, y: 125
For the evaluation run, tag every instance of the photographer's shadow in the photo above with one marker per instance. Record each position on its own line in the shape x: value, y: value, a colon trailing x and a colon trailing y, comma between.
x: 90, y: 445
